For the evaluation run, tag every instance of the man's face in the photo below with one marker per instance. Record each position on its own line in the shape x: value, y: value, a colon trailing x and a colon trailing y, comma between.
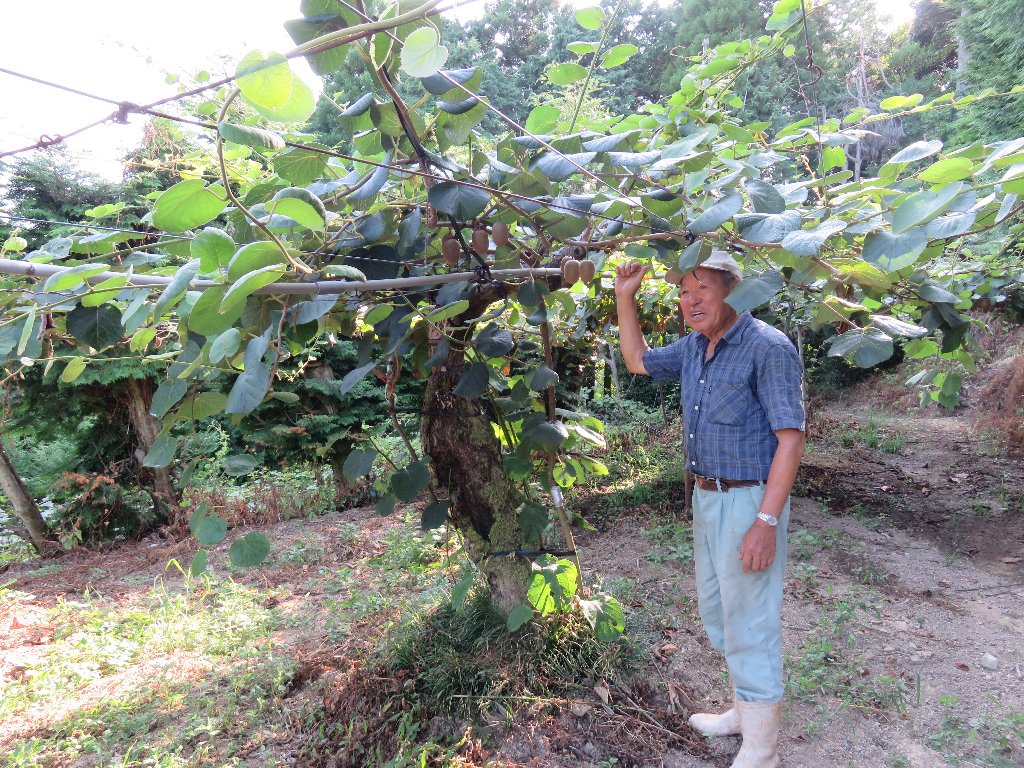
x: 702, y: 298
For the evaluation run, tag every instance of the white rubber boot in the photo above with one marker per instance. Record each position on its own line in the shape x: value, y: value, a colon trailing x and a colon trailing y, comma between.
x: 759, y: 724
x: 725, y: 724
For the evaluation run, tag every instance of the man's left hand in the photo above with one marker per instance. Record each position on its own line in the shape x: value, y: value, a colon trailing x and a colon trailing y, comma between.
x: 757, y: 551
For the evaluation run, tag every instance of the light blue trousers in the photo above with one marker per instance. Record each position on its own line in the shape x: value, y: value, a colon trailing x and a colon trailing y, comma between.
x: 742, y: 612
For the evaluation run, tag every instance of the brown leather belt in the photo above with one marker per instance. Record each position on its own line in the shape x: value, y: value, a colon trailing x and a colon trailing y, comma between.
x: 721, y: 484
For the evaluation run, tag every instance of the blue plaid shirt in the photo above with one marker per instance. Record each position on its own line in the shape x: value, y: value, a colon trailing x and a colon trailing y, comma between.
x: 733, y: 403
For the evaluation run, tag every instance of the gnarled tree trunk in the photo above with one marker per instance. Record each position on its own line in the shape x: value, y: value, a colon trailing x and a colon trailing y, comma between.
x: 139, y: 396
x: 457, y: 434
x: 25, y: 506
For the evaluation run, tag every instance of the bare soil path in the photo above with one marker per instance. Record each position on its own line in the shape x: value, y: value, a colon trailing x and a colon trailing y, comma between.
x: 904, y: 617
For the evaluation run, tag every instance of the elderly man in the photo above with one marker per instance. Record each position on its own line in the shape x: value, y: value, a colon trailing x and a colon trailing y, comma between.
x: 744, y: 425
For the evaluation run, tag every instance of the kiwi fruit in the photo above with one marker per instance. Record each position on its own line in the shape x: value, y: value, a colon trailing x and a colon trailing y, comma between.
x: 499, y: 233
x: 588, y: 270
x: 450, y: 249
x: 570, y: 271
x: 480, y: 241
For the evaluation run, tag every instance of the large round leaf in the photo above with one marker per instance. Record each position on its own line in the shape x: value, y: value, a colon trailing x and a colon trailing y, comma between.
x: 98, y: 327
x: 265, y: 81
x: 458, y: 200
x: 717, y: 214
x: 566, y: 73
x: 408, y: 482
x: 206, y: 317
x: 891, y: 252
x: 188, y: 204
x: 358, y: 464
x: 422, y: 52
x: 251, y: 550
x: 590, y: 18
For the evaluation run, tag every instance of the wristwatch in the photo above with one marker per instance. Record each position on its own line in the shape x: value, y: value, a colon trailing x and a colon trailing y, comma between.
x: 772, y: 520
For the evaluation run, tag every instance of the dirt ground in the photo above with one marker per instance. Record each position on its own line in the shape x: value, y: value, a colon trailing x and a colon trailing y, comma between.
x: 904, y: 615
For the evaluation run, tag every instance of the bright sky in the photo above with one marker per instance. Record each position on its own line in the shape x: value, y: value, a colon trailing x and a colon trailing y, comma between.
x: 123, y: 49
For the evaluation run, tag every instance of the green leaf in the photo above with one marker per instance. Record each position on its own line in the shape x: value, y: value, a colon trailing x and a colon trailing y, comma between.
x: 161, y: 452
x: 451, y: 310
x: 559, y: 166
x: 764, y: 198
x: 533, y: 519
x: 590, y: 18
x: 458, y: 200
x: 239, y: 464
x: 518, y: 616
x: 386, y: 504
x: 206, y: 318
x: 175, y: 289
x: 894, y: 327
x: 199, y: 562
x: 753, y: 292
x: 916, y: 151
x: 807, y: 242
x: 923, y: 206
x: 461, y: 589
x: 950, y: 169
x: 891, y: 252
x: 200, y: 406
x: 582, y: 47
x: 605, y: 616
x: 542, y: 378
x: 73, y: 277
x: 253, y: 256
x: 300, y: 166
x: 97, y: 327
x: 299, y: 210
x: 407, y: 482
x: 717, y: 214
x: 358, y: 464
x: 211, y: 530
x: 435, y: 515
x: 549, y: 435
x: 214, y: 249
x: 247, y: 284
x: 73, y: 370
x: 166, y: 395
x: 422, y: 53
x: 249, y: 388
x: 102, y: 291
x: 354, y: 377
x: 618, y: 55
x: 566, y: 73
x: 265, y: 81
x: 188, y: 204
x: 552, y: 586
x: 867, y: 347
x: 259, y: 138
x: 493, y: 341
x: 251, y: 550
x: 474, y: 381
x: 542, y: 120
x: 773, y: 227
x: 225, y: 345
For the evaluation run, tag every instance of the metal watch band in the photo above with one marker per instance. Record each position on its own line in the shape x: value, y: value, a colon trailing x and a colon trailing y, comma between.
x: 772, y: 520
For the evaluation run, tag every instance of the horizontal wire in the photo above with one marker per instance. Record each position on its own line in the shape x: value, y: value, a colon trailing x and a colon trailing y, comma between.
x: 126, y: 107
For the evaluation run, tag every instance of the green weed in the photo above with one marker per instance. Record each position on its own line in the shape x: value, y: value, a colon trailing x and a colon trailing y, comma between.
x: 673, y: 542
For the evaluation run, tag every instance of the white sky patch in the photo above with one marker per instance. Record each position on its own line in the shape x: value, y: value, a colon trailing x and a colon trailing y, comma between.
x: 123, y: 50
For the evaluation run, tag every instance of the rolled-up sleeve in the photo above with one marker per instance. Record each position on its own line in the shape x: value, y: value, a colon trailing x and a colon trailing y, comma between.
x: 780, y: 387
x: 665, y: 363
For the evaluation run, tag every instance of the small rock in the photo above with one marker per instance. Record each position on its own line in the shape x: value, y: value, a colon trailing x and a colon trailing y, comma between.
x: 975, y: 722
x: 590, y: 749
x: 988, y: 661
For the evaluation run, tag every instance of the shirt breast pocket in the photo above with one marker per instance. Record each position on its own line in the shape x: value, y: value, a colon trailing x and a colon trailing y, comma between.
x: 730, y: 404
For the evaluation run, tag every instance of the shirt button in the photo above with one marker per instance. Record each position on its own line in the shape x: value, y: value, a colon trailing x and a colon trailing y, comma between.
x: 696, y: 407
x: 702, y: 381
x: 691, y: 436
x: 694, y: 463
